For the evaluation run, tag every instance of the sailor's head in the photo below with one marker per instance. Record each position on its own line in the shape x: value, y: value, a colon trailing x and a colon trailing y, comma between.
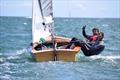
x: 100, y: 36
x: 95, y: 31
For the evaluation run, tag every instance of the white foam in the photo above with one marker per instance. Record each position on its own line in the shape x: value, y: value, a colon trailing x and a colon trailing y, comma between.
x: 25, y: 23
x: 13, y: 57
x: 6, y: 76
x: 105, y: 57
x: 21, y: 51
x: 1, y: 60
x: 105, y: 25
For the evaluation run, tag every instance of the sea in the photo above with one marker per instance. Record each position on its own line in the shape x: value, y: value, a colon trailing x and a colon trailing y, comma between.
x: 16, y: 62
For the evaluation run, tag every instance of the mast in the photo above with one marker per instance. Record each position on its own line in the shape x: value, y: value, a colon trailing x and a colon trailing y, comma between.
x: 42, y: 22
x: 53, y: 32
x: 53, y: 37
x: 49, y: 9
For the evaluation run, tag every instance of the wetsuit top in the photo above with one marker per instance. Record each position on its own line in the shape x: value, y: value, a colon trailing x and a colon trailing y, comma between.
x: 97, y: 45
x: 90, y: 38
x: 88, y: 48
x: 93, y: 49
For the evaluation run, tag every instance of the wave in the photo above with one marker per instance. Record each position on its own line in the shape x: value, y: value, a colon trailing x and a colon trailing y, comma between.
x: 5, y: 77
x: 24, y: 55
x: 102, y: 58
x: 24, y: 50
x: 111, y: 58
x: 105, y: 25
x: 18, y: 56
x: 105, y: 57
x: 29, y: 17
x: 25, y: 23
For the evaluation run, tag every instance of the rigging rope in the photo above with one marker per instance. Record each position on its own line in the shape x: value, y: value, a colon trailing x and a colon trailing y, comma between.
x: 51, y: 31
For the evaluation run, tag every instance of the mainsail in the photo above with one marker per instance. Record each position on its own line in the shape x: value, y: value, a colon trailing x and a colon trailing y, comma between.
x: 42, y: 19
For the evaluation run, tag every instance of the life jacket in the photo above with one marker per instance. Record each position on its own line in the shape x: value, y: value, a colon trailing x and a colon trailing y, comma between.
x: 93, y: 38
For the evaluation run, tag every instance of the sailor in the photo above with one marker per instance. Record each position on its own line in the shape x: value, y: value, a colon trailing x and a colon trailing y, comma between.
x: 89, y: 48
x: 94, y: 48
x: 90, y: 37
x: 45, y: 43
x: 39, y: 45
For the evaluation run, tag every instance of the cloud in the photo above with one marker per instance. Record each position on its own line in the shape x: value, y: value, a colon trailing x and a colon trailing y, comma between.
x: 14, y: 3
x: 81, y: 6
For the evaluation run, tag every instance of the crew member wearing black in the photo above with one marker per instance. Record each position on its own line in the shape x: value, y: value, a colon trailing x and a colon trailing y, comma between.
x: 93, y: 37
x: 94, y: 48
x: 89, y: 48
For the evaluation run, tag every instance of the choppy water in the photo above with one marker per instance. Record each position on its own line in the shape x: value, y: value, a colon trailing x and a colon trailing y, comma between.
x: 17, y: 64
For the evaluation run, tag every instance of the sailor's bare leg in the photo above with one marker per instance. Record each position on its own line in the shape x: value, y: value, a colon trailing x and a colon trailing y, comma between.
x: 58, y: 39
x: 62, y: 39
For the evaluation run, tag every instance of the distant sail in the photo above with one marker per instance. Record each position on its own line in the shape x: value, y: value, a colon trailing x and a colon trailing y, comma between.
x: 42, y: 13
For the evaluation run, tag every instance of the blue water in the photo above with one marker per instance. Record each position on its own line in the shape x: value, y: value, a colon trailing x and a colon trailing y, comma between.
x: 17, y: 64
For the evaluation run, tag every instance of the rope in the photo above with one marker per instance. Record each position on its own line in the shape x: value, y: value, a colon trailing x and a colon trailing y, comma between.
x: 52, y: 31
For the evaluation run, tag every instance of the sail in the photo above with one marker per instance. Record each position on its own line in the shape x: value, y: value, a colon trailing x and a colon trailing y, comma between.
x: 42, y: 13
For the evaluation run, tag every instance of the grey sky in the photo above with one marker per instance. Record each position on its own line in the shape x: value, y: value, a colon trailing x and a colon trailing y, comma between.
x: 65, y: 8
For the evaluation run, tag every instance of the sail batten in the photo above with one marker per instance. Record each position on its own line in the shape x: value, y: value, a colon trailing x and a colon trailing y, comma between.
x: 47, y: 4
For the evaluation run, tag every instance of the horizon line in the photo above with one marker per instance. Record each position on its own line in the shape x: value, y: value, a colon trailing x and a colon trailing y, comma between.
x: 63, y: 17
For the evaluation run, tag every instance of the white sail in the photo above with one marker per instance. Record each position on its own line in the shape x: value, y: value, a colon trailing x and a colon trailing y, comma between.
x: 42, y: 12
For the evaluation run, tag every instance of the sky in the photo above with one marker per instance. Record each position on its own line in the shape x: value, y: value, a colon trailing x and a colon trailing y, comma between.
x: 65, y: 8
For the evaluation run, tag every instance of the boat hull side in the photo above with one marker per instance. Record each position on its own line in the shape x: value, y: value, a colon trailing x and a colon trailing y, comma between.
x: 61, y: 55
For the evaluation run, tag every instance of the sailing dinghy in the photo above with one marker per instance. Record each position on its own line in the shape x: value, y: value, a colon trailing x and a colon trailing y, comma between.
x: 43, y: 31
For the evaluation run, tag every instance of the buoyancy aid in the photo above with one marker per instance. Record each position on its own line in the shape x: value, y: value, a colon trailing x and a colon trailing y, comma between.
x: 93, y: 38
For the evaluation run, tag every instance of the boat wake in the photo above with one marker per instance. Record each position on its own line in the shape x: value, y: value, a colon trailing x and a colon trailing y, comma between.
x: 24, y: 55
x: 105, y: 25
x: 101, y: 58
x: 105, y: 57
x: 108, y: 59
x: 18, y: 56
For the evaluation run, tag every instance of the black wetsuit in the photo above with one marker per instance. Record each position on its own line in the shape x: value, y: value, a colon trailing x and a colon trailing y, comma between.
x: 92, y: 49
x: 88, y: 49
x: 40, y: 47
